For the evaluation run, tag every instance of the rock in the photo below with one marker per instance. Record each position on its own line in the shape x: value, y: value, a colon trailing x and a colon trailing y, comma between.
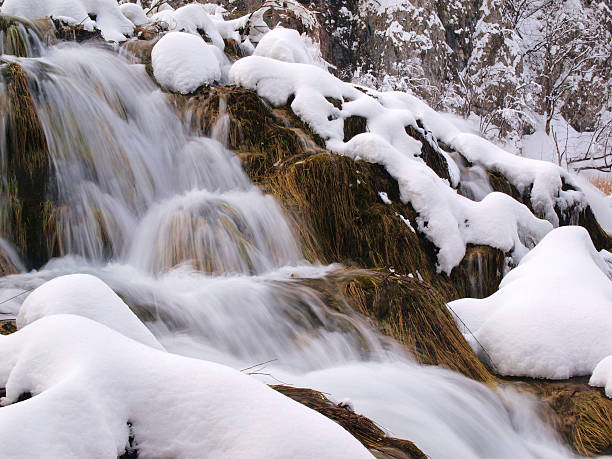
x: 362, y: 428
x: 30, y: 213
x: 581, y: 413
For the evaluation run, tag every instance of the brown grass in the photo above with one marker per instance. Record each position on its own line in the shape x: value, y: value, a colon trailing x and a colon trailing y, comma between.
x: 603, y: 182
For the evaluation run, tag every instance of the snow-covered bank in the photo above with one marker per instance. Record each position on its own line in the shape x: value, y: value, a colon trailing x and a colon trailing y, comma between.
x: 93, y: 388
x: 551, y: 316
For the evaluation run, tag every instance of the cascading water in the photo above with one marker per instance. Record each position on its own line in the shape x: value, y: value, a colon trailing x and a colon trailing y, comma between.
x: 172, y: 223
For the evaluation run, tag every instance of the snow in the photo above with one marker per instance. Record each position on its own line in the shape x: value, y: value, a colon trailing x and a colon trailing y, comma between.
x: 183, y: 62
x: 289, y: 46
x: 191, y: 19
x: 92, y: 387
x: 86, y: 296
x: 113, y: 25
x: 384, y: 197
x: 449, y: 220
x: 602, y: 375
x: 134, y: 13
x: 551, y: 316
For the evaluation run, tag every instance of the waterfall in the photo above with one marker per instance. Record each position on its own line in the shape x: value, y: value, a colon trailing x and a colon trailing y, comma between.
x: 209, y: 262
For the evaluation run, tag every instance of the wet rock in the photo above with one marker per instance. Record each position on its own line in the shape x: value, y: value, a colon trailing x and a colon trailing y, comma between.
x: 362, y: 428
x: 30, y: 212
x: 581, y: 413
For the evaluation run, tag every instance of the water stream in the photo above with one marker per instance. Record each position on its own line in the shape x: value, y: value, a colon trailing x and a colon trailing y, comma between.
x: 173, y: 224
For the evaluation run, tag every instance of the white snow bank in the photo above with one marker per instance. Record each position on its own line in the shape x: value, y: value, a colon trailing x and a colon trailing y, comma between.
x: 602, y: 375
x: 183, y: 62
x: 113, y: 25
x: 289, y: 46
x: 551, y: 316
x: 93, y: 387
x: 87, y: 296
x: 449, y: 220
x: 134, y: 13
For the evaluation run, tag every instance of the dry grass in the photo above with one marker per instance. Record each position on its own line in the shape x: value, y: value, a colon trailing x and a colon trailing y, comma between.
x: 603, y: 182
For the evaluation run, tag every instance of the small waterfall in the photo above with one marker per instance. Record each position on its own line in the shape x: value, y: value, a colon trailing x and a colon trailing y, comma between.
x: 133, y: 184
x: 209, y: 262
x: 19, y: 37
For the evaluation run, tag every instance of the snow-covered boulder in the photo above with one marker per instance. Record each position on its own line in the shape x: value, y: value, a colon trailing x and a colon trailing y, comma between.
x: 134, y: 13
x: 552, y: 315
x: 87, y: 296
x: 602, y: 375
x: 183, y: 62
x: 192, y: 19
x: 113, y: 25
x: 93, y: 388
x: 287, y: 45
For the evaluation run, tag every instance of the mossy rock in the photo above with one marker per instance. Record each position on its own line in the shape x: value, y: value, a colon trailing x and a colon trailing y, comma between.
x: 480, y: 272
x: 415, y: 314
x: 28, y: 221
x: 430, y: 152
x: 7, y: 326
x: 18, y: 36
x: 333, y: 200
x: 581, y: 413
x: 78, y: 33
x: 363, y: 429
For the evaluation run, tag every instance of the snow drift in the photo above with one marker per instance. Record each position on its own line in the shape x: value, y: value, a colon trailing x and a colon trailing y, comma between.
x: 551, y: 316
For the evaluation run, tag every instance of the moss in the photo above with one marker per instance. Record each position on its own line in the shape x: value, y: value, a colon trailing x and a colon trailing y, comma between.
x: 7, y: 326
x: 581, y: 413
x: 15, y: 34
x: 333, y: 200
x: 354, y: 125
x: 430, y: 152
x: 480, y: 272
x: 415, y: 314
x: 78, y: 33
x: 27, y: 169
x: 362, y: 428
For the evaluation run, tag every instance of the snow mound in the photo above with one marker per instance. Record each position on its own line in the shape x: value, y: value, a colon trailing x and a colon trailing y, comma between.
x: 113, y: 25
x: 191, y: 19
x: 602, y: 375
x: 93, y: 388
x: 86, y: 296
x: 134, y: 13
x: 289, y: 46
x: 183, y: 62
x: 449, y: 220
x: 551, y: 316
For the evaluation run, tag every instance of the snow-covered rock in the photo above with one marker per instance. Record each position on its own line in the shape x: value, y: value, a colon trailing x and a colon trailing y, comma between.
x: 93, y: 388
x: 87, y: 296
x: 134, y: 13
x: 551, y: 316
x: 182, y: 62
x: 287, y: 45
x: 602, y: 375
x: 191, y: 19
x: 449, y: 220
x: 113, y: 25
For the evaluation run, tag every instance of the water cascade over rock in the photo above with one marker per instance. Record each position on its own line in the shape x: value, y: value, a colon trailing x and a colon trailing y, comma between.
x: 209, y: 262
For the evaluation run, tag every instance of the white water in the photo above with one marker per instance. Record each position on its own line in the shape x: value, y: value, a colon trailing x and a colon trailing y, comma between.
x: 172, y: 223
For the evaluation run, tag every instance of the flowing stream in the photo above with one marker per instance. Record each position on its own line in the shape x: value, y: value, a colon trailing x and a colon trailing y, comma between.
x: 209, y: 262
